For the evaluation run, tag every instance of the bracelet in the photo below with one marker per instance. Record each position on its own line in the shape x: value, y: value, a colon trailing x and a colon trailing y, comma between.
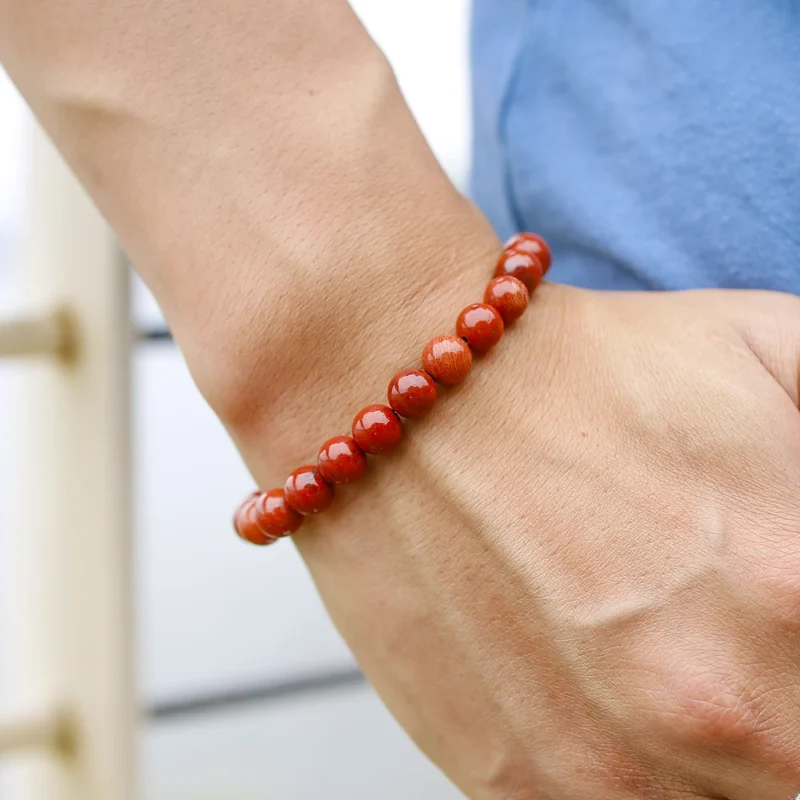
x: 266, y: 517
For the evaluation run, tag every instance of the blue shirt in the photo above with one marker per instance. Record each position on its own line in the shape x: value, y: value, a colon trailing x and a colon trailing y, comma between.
x: 655, y: 143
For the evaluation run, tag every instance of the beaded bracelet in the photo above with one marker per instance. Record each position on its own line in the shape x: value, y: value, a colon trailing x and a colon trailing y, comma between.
x: 266, y: 517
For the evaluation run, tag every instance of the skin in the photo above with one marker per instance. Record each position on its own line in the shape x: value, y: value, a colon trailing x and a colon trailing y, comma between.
x: 580, y: 575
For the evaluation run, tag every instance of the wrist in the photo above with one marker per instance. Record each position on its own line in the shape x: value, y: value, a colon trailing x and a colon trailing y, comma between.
x: 321, y: 346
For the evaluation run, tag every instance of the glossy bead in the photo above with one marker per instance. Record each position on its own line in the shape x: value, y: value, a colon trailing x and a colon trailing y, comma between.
x: 534, y: 245
x: 236, y: 521
x: 447, y: 359
x: 377, y: 430
x: 307, y: 492
x: 509, y: 296
x: 412, y: 393
x: 524, y: 266
x: 341, y: 460
x: 246, y: 524
x: 275, y: 516
x: 481, y: 325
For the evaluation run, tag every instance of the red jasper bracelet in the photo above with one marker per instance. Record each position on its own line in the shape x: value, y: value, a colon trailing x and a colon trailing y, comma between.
x: 265, y: 517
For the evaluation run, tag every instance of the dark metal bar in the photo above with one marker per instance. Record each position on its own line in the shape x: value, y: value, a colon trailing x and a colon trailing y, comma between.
x: 225, y: 699
x: 155, y: 334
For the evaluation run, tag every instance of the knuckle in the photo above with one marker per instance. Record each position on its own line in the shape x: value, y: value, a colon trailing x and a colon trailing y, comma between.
x: 710, y: 711
x: 751, y: 720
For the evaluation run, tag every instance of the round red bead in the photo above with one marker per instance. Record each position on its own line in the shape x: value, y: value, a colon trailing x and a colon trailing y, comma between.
x: 534, y: 245
x: 246, y: 524
x: 377, y: 430
x: 307, y: 492
x: 341, y: 460
x: 275, y: 516
x: 509, y: 296
x: 412, y: 393
x: 447, y: 359
x: 481, y: 325
x: 524, y: 266
x: 240, y: 508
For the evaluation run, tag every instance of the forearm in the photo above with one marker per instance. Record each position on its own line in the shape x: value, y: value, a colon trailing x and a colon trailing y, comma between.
x: 264, y: 174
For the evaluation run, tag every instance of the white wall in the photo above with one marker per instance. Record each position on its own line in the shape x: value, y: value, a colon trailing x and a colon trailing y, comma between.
x: 11, y: 165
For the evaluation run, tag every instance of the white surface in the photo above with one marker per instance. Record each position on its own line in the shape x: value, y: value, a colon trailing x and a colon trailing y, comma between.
x: 206, y: 603
x: 11, y: 162
x: 328, y: 747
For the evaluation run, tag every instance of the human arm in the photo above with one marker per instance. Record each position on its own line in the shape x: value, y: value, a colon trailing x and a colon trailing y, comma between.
x: 578, y: 577
x: 255, y: 158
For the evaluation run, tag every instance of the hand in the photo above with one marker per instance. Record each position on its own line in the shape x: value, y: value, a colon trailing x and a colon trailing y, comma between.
x: 580, y: 576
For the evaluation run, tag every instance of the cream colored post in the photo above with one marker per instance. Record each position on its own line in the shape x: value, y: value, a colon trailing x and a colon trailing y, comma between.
x: 71, y: 612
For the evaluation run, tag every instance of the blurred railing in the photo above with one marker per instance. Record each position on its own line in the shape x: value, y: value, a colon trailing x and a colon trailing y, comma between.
x: 72, y: 649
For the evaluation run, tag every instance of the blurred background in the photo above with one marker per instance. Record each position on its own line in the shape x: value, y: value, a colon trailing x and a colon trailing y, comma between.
x: 199, y: 590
